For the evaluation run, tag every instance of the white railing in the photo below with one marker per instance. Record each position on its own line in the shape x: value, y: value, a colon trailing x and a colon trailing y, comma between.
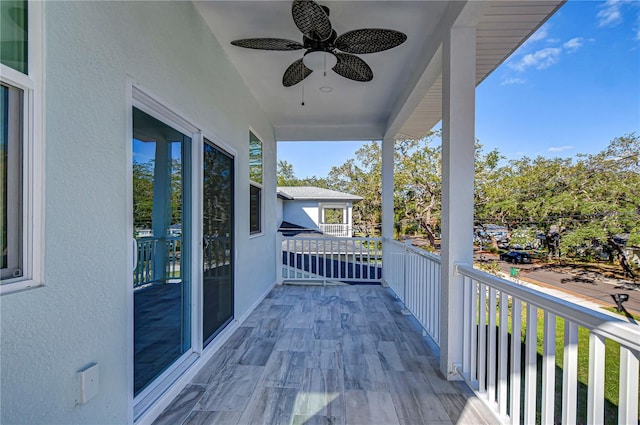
x: 336, y: 230
x: 217, y: 254
x: 322, y: 258
x: 158, y: 260
x: 414, y: 275
x: 493, y: 325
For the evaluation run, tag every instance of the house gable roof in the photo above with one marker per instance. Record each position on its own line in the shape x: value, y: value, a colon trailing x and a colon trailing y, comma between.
x: 297, y: 193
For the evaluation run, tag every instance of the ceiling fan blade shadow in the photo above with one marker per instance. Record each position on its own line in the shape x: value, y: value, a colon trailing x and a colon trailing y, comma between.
x: 311, y: 19
x: 296, y: 72
x: 352, y: 67
x: 369, y: 40
x: 268, y: 44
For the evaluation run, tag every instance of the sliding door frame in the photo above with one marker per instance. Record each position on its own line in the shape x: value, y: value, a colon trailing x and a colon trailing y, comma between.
x: 147, y: 103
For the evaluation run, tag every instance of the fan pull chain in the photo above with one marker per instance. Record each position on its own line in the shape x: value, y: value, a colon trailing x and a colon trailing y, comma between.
x: 302, y: 71
x: 325, y: 64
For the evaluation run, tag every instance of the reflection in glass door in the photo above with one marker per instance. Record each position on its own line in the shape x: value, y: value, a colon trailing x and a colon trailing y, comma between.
x: 217, y: 220
x: 162, y: 290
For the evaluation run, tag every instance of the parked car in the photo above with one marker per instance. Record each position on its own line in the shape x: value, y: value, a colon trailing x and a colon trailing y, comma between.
x: 515, y: 257
x: 503, y: 243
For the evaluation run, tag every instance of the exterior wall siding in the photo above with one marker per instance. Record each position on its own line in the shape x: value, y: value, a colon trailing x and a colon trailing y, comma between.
x: 93, y: 51
x: 302, y: 213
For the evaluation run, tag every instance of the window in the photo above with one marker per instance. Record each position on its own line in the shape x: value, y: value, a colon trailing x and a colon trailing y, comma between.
x: 255, y: 185
x: 21, y: 145
x: 11, y: 169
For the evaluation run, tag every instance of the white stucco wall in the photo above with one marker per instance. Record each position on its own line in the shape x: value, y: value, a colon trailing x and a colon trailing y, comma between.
x: 80, y: 316
x: 279, y: 211
x: 302, y: 213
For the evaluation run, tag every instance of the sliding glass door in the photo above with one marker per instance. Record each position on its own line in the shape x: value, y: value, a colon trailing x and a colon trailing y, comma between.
x: 162, y: 282
x: 217, y: 220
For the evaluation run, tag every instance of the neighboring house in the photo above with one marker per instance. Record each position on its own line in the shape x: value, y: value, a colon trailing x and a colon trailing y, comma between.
x: 315, y: 208
x: 497, y: 232
x: 125, y: 115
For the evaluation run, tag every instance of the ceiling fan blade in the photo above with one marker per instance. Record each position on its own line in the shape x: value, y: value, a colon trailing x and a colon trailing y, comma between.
x: 352, y: 67
x: 296, y: 72
x: 369, y: 40
x: 311, y: 19
x: 268, y: 44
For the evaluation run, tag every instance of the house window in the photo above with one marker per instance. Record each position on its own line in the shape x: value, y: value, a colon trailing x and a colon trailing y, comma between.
x: 255, y: 184
x: 21, y: 146
x: 334, y: 216
x: 14, y: 52
x: 11, y: 168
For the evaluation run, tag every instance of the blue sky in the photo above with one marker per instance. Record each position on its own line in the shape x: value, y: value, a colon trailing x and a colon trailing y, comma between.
x: 571, y: 88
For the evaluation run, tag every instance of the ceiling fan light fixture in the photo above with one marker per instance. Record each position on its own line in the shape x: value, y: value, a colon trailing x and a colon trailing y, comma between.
x: 319, y: 60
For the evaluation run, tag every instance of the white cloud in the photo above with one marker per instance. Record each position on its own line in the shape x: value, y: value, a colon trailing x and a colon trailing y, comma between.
x: 511, y: 81
x: 610, y: 14
x: 573, y: 44
x: 540, y: 34
x: 540, y: 60
x: 560, y: 148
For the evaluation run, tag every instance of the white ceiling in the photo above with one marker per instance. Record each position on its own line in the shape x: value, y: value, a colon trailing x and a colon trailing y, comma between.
x: 404, y: 95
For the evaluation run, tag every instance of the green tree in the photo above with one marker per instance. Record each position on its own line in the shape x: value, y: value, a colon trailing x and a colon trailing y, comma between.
x: 586, y: 202
x: 285, y: 174
x: 142, y: 194
x: 607, y: 188
x: 418, y: 186
x: 365, y: 180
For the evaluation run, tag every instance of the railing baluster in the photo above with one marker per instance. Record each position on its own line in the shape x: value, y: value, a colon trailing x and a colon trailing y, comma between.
x: 503, y: 354
x: 473, y: 368
x: 570, y: 373
x: 595, y: 397
x: 437, y: 298
x: 628, y: 399
x: 482, y: 340
x: 325, y: 272
x: 548, y: 367
x: 295, y: 257
x: 491, y: 357
x: 466, y: 326
x: 288, y: 258
x: 516, y: 336
x: 530, y: 372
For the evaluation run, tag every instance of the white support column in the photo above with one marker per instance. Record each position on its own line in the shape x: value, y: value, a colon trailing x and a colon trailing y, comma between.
x: 387, y: 199
x: 387, y: 187
x: 458, y: 145
x: 161, y: 207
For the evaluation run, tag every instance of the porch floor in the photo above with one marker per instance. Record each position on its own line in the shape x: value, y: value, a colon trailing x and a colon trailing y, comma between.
x: 326, y: 355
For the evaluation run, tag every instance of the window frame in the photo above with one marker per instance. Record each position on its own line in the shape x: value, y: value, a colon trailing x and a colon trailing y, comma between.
x: 13, y: 170
x: 33, y: 145
x: 256, y: 185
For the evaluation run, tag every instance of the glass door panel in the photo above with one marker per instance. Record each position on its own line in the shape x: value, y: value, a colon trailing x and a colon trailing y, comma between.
x: 162, y: 290
x: 217, y: 220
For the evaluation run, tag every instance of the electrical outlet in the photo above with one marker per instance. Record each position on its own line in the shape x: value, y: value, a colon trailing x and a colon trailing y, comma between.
x: 89, y: 382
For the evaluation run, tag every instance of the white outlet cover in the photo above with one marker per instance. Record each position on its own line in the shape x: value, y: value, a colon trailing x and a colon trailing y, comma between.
x: 89, y: 382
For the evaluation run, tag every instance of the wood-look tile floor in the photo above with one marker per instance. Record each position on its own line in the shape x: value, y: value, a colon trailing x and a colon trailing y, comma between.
x: 326, y: 355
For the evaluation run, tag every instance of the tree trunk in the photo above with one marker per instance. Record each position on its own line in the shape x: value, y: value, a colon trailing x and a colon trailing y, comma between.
x: 621, y: 257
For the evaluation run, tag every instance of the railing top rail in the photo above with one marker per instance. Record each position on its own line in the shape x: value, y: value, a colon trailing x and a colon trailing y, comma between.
x: 413, y: 249
x: 154, y: 238
x: 327, y: 237
x: 627, y: 334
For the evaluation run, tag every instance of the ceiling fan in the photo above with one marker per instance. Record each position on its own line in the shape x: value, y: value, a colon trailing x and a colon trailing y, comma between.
x: 324, y: 47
